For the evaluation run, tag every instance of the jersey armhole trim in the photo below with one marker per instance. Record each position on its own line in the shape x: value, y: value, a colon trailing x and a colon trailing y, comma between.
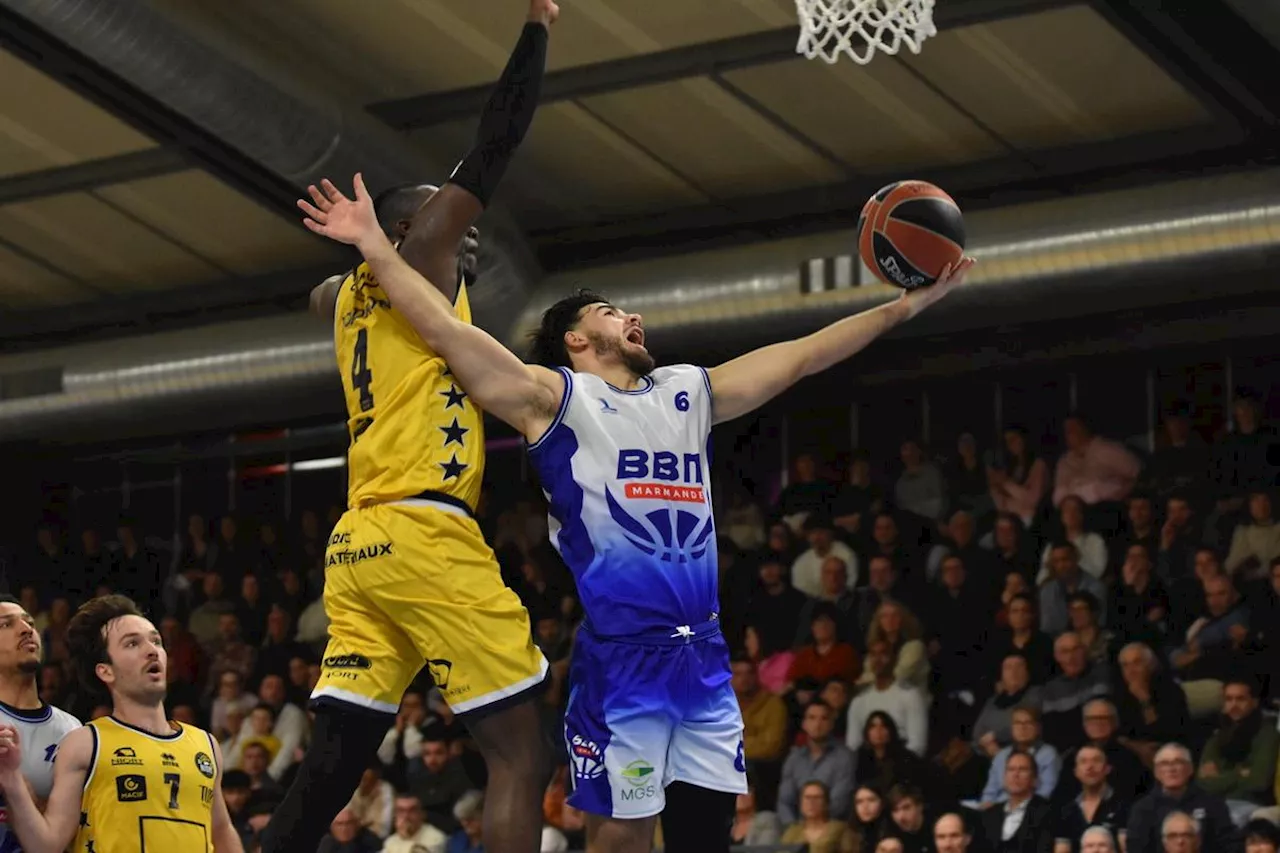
x: 213, y: 754
x: 93, y: 757
x: 706, y: 380
x: 560, y: 413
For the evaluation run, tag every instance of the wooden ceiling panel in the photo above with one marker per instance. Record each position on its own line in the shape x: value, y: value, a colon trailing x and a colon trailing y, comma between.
x: 1055, y: 78
x: 219, y: 224
x: 27, y: 284
x: 875, y: 117
x: 572, y: 165
x: 724, y: 146
x: 43, y: 124
x: 93, y: 241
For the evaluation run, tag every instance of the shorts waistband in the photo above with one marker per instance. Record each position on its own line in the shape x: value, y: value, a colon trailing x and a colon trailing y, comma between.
x: 680, y: 635
x: 437, y: 500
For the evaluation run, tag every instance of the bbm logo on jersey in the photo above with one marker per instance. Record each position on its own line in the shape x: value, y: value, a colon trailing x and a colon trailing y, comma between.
x: 588, y: 759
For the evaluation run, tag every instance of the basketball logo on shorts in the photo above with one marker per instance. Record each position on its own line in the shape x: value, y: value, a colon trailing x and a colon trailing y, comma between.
x: 588, y: 759
x: 672, y: 535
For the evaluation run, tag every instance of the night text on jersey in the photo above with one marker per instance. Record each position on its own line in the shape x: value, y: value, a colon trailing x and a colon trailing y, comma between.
x: 679, y: 476
x: 366, y: 310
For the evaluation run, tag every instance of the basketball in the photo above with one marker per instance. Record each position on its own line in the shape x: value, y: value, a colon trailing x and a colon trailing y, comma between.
x: 908, y: 232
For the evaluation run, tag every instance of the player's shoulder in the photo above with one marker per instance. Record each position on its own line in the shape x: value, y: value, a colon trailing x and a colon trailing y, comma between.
x: 61, y: 720
x: 690, y: 375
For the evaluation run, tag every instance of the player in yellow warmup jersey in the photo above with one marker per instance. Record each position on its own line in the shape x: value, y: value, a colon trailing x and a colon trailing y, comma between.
x: 409, y: 579
x: 130, y: 782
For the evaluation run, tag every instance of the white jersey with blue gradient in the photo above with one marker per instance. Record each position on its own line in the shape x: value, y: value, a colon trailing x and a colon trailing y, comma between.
x: 39, y: 732
x: 627, y: 475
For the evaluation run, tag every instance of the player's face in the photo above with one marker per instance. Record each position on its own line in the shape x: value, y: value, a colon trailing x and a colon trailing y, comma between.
x: 19, y: 640
x: 138, y: 660
x: 614, y: 334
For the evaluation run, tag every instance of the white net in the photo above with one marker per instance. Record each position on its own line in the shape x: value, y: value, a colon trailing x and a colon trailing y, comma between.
x: 858, y: 28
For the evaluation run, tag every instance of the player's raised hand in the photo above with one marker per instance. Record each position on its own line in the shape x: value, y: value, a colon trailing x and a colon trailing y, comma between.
x: 543, y: 12
x: 10, y: 750
x: 337, y: 217
x: 951, y: 278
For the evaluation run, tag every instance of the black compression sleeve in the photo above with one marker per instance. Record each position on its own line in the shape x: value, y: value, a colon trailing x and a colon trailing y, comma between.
x: 506, y: 116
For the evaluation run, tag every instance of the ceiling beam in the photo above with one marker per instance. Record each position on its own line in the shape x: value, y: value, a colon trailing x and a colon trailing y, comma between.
x: 1136, y: 160
x: 91, y: 174
x: 697, y: 60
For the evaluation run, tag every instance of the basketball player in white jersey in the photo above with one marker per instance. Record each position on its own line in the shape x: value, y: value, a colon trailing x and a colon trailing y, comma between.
x: 40, y: 725
x: 621, y: 449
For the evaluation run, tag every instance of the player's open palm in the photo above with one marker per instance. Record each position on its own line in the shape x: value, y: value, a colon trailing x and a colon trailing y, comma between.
x: 10, y: 750
x: 337, y: 217
x: 543, y: 11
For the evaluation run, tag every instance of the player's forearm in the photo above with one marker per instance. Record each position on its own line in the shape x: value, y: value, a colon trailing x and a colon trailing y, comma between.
x: 413, y: 296
x: 32, y: 828
x: 226, y: 839
x: 844, y: 338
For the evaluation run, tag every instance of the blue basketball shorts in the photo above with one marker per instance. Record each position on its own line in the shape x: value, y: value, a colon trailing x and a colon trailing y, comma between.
x: 642, y: 716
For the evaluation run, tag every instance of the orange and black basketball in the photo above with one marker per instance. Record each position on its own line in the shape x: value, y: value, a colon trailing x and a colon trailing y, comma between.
x: 908, y: 232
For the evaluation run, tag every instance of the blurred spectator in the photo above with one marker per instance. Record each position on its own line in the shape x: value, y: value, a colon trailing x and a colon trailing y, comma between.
x: 882, y: 585
x: 236, y: 792
x: 438, y: 780
x: 1101, y: 729
x: 805, y: 494
x: 291, y: 723
x: 230, y: 558
x: 1181, y: 460
x: 402, y: 744
x: 906, y: 705
x: 950, y: 835
x: 1095, y: 469
x: 254, y: 760
x: 373, y: 801
x: 908, y: 820
x: 1100, y: 804
x: 469, y: 812
x: 1139, y: 529
x: 261, y: 720
x: 833, y: 593
x: 96, y: 565
x: 764, y: 715
x: 1027, y: 741
x: 1262, y: 644
x: 870, y: 811
x: 960, y: 613
x: 1239, y: 759
x: 1175, y: 792
x: 55, y: 632
x: 742, y: 521
x: 815, y: 828
x: 1181, y: 833
x: 1179, y: 540
x: 346, y: 835
x: 775, y: 608
x: 966, y: 478
x: 1024, y: 637
x: 229, y: 652
x: 231, y: 695
x: 1261, y: 836
x: 837, y: 693
x: 858, y: 500
x: 412, y: 834
x: 882, y: 759
x: 1066, y: 580
x: 1256, y: 544
x: 1091, y: 549
x: 920, y: 489
x: 137, y: 568
x: 1012, y: 548
x: 1152, y: 706
x: 251, y: 610
x: 1082, y: 612
x: 901, y: 630
x: 204, y: 620
x: 753, y: 828
x: 772, y: 666
x: 1214, y: 642
x: 993, y: 729
x: 1065, y: 696
x: 278, y: 648
x: 960, y: 540
x: 1023, y: 821
x: 1140, y: 607
x: 1240, y: 458
x: 313, y: 624
x: 1017, y: 477
x: 806, y: 571
x: 822, y: 759
x: 887, y: 541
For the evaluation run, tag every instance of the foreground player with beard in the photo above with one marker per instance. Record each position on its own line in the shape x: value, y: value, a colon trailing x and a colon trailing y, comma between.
x: 40, y: 725
x: 621, y: 449
x: 129, y: 782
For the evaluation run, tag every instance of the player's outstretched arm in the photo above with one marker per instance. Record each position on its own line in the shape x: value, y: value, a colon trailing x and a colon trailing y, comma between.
x: 431, y: 245
x: 225, y: 837
x: 523, y: 395
x: 52, y: 831
x: 749, y: 381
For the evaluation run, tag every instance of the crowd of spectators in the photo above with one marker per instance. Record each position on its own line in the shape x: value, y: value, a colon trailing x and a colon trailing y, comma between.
x: 981, y: 646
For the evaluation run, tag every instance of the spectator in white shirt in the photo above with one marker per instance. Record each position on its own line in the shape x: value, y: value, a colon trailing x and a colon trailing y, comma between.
x: 1091, y: 548
x: 806, y: 571
x: 412, y: 834
x: 1256, y: 544
x: 291, y: 724
x: 1095, y: 469
x: 905, y: 704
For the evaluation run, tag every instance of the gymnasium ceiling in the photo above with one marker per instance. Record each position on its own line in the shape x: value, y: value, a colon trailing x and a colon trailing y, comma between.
x: 666, y: 126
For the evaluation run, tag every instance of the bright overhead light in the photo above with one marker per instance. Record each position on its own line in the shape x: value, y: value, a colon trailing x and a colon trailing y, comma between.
x: 320, y: 464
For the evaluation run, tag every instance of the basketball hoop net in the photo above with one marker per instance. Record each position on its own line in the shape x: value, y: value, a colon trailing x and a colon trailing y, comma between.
x: 858, y: 28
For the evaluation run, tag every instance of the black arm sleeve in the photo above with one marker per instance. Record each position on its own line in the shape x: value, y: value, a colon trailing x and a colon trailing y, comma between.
x: 506, y: 116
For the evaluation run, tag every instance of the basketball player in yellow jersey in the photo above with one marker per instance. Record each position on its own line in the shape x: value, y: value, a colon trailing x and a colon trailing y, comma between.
x: 130, y: 782
x: 409, y: 579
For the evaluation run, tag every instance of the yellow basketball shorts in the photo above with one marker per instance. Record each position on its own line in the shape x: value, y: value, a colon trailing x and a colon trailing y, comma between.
x: 414, y: 583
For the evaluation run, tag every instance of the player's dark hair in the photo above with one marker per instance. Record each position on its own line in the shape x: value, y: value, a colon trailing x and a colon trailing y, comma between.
x: 396, y: 205
x: 6, y: 598
x: 546, y: 344
x: 87, y: 637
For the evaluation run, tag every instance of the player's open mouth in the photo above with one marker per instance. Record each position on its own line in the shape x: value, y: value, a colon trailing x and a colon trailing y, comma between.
x: 636, y: 336
x: 29, y: 646
x: 153, y: 669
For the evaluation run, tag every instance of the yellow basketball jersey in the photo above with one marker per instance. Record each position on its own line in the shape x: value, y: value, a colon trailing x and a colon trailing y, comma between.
x: 145, y: 792
x: 412, y: 428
